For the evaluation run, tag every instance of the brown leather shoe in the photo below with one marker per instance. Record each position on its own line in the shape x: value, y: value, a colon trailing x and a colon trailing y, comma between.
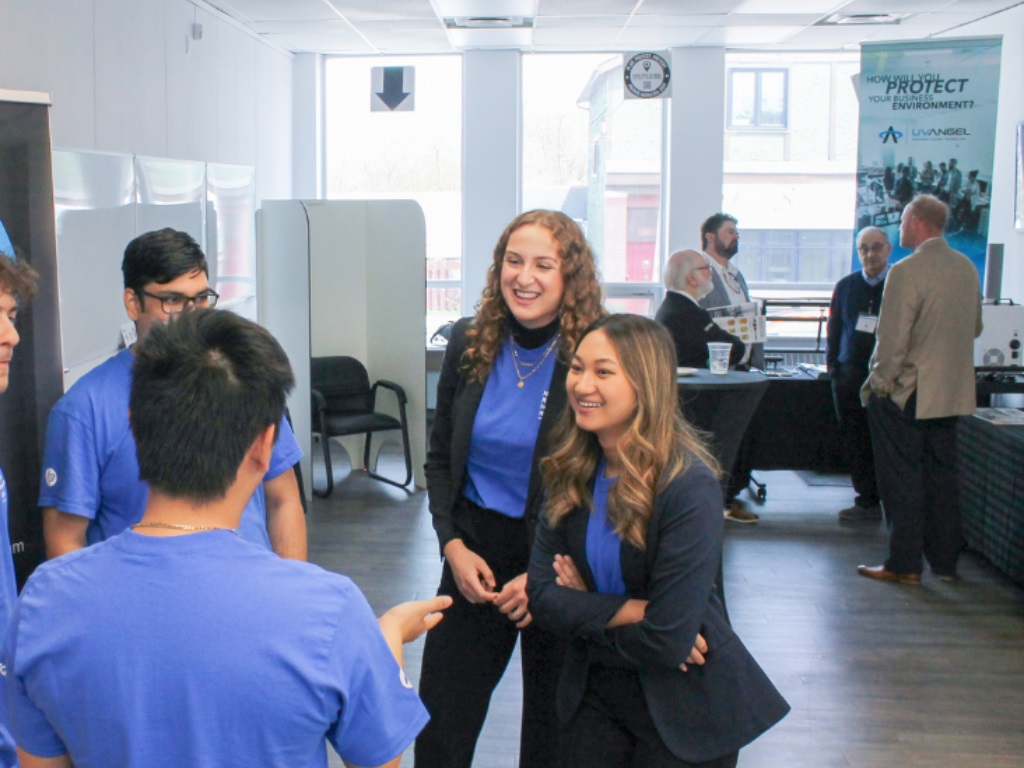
x: 881, y: 573
x: 739, y: 513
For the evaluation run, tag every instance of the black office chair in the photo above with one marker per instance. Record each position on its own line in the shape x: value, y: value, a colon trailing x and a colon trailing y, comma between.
x: 343, y: 404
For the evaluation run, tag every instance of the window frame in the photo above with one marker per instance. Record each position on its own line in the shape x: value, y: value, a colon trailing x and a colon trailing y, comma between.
x: 756, y: 124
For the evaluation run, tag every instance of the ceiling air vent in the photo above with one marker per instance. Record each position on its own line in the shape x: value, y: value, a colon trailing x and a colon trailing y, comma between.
x: 861, y: 18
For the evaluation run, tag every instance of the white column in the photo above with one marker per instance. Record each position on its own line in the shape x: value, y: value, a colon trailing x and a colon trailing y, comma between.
x: 491, y: 151
x: 696, y: 143
x: 307, y: 127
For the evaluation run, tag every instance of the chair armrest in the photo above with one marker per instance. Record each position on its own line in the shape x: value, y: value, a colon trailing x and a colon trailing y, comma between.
x: 396, y: 388
x: 318, y: 400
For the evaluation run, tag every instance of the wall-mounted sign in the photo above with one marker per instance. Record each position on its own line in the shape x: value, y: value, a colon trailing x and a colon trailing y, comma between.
x: 647, y: 75
x: 392, y: 89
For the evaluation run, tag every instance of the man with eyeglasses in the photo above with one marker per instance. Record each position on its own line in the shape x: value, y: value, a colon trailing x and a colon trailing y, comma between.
x: 852, y: 320
x: 687, y: 280
x: 720, y: 239
x: 90, y: 488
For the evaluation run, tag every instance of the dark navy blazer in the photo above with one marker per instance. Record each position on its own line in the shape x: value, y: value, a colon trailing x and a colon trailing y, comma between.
x: 457, y: 404
x: 703, y: 713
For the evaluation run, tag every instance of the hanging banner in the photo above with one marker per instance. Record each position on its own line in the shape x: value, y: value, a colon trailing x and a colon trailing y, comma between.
x: 927, y: 125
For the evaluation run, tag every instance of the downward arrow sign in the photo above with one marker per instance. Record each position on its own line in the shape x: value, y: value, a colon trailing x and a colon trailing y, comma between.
x: 393, y: 93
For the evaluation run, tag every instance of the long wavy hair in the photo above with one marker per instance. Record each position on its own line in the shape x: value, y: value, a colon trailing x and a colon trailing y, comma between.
x: 658, y: 445
x: 581, y: 297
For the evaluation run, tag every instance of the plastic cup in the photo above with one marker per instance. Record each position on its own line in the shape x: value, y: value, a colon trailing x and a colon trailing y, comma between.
x: 718, y: 357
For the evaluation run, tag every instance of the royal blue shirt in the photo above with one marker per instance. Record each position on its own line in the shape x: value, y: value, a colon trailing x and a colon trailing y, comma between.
x: 506, y: 427
x: 604, y: 546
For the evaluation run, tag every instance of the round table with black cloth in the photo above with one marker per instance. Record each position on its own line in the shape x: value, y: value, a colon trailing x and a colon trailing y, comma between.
x: 722, y: 406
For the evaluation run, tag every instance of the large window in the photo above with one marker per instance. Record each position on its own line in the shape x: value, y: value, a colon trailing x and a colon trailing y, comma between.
x: 404, y: 154
x: 757, y: 98
x: 790, y: 167
x: 598, y: 157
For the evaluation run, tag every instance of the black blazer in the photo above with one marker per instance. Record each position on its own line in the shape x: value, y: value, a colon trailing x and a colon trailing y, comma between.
x: 705, y: 712
x: 692, y: 328
x: 455, y: 412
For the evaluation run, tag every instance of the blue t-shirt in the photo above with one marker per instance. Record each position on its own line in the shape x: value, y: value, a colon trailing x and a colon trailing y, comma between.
x: 90, y: 467
x: 505, y: 430
x: 8, y: 596
x: 205, y: 651
x: 604, y: 547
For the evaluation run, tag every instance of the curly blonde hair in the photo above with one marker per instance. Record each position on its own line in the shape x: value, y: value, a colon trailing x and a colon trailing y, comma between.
x: 581, y: 295
x: 658, y: 445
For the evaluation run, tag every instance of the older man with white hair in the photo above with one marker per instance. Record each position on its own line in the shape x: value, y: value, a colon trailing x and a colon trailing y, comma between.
x: 687, y: 280
x: 852, y: 320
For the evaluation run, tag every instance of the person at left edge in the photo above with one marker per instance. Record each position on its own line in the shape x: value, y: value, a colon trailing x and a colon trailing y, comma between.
x: 177, y: 643
x: 501, y: 388
x: 90, y: 489
x: 17, y: 286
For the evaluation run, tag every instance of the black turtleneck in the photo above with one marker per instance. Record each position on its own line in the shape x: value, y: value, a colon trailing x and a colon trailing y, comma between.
x: 532, y: 338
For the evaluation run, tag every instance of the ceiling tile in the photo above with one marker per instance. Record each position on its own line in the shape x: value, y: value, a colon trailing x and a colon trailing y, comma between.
x: 276, y: 10
x: 322, y: 43
x: 740, y: 36
x: 378, y: 10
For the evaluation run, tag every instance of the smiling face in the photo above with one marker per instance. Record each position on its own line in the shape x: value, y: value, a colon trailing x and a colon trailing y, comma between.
x: 601, y: 396
x: 9, y: 337
x: 146, y: 310
x: 531, y: 276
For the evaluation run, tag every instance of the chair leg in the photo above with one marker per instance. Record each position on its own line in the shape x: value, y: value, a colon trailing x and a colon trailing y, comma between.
x: 327, y: 465
x: 373, y: 473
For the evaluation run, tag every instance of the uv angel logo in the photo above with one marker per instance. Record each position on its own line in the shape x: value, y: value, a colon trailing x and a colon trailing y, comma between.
x: 891, y: 133
x: 6, y: 246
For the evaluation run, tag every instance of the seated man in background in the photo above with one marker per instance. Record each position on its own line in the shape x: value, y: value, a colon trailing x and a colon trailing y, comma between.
x: 17, y: 286
x: 90, y: 488
x: 176, y: 642
x: 687, y: 280
x: 852, y: 320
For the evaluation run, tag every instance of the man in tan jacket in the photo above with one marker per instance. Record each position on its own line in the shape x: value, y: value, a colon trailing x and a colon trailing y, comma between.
x: 921, y: 379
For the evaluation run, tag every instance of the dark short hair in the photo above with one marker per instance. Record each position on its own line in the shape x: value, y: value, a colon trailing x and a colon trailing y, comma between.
x: 159, y: 257
x: 204, y: 387
x: 712, y: 224
x: 17, y: 278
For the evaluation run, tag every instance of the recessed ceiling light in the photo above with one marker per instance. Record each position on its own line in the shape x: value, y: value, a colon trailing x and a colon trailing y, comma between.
x: 488, y: 22
x: 862, y: 18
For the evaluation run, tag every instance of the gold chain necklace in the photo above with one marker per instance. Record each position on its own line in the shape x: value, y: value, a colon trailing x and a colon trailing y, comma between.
x: 183, y: 527
x: 536, y: 367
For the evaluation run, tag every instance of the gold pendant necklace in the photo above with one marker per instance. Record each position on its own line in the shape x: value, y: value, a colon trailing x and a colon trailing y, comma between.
x: 535, y: 367
x: 184, y: 527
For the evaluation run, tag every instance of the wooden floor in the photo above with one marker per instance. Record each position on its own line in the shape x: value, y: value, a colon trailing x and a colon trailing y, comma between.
x: 878, y: 675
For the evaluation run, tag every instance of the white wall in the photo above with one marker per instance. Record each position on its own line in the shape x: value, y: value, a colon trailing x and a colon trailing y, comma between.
x: 125, y: 76
x: 1009, y: 24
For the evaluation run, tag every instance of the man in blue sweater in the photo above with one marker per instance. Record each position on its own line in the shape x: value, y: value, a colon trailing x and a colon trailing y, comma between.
x: 852, y: 320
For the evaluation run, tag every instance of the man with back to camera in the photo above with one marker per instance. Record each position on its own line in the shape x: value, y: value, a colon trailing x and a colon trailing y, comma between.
x: 852, y: 319
x: 921, y: 379
x: 17, y: 286
x: 90, y: 485
x: 178, y: 643
x: 720, y: 239
x: 687, y: 280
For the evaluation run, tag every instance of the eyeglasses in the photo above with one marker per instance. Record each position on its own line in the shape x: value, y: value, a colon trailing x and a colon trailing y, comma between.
x: 176, y: 303
x: 873, y: 248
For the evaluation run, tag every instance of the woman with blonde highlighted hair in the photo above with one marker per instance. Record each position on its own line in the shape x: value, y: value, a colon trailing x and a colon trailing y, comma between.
x: 624, y: 565
x: 501, y: 389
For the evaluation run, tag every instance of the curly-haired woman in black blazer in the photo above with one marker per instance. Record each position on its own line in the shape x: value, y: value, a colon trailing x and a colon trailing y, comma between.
x: 624, y: 567
x: 501, y: 388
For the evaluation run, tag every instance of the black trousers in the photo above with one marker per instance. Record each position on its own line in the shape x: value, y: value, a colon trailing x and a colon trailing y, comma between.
x: 613, y: 728
x: 466, y: 655
x: 855, y: 433
x: 916, y: 462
